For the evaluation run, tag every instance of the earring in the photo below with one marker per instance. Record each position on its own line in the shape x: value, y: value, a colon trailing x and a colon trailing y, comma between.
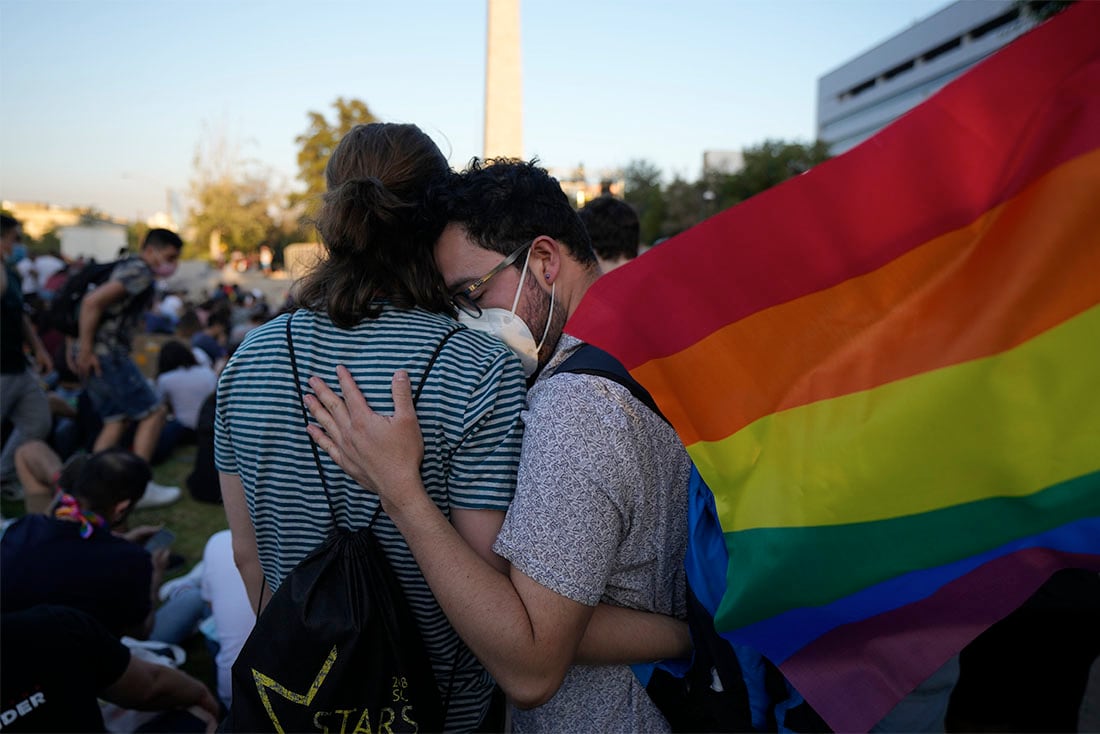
x: 547, y: 275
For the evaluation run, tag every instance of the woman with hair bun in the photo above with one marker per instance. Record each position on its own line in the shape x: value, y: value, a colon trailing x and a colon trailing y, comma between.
x: 374, y: 304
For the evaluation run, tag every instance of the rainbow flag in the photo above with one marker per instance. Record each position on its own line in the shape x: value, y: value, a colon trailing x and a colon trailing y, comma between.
x: 888, y: 372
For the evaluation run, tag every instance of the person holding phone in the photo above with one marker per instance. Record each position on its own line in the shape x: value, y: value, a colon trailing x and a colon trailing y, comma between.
x: 70, y: 556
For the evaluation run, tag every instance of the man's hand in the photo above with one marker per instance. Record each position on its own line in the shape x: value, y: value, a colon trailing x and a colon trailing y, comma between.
x: 42, y: 359
x: 382, y: 453
x: 141, y: 533
x: 161, y: 557
x: 87, y: 364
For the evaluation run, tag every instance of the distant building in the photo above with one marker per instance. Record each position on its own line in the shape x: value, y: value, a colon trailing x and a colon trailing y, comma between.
x: 38, y: 218
x: 101, y: 241
x: 859, y: 98
x: 574, y: 182
x: 725, y: 162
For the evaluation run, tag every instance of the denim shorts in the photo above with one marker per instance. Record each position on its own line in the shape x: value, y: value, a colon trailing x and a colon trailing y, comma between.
x: 121, y: 391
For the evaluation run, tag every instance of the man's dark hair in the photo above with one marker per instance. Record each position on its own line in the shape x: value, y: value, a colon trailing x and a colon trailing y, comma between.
x: 189, y: 324
x: 613, y: 226
x: 220, y: 316
x: 7, y: 224
x: 162, y: 238
x: 106, y: 478
x: 503, y: 203
x: 173, y: 355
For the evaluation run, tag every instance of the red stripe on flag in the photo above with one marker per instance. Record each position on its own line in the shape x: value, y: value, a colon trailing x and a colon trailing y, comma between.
x: 980, y: 141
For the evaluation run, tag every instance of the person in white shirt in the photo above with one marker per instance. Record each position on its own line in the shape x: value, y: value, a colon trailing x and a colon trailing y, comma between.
x: 232, y: 615
x: 184, y: 385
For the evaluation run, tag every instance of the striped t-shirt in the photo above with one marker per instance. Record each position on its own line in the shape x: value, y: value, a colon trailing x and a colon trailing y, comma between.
x: 469, y: 414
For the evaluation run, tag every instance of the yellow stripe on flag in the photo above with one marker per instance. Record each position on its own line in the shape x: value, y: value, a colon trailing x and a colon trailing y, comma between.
x: 1007, y: 425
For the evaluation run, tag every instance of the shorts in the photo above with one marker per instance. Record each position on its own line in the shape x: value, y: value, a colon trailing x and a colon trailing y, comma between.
x: 121, y: 392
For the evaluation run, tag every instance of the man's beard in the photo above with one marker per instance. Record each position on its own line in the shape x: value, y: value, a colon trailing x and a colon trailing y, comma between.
x: 539, y: 307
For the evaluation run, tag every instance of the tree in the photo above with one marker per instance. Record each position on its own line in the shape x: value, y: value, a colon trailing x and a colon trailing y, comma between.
x: 319, y: 140
x: 135, y: 235
x: 235, y: 205
x: 770, y: 163
x: 1042, y: 10
x: 685, y: 206
x: 642, y: 190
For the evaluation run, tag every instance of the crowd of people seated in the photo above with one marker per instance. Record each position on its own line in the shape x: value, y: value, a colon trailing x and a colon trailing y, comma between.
x: 78, y: 580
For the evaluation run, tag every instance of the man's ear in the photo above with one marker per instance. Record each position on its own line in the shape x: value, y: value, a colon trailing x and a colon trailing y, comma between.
x: 120, y: 510
x: 546, y: 254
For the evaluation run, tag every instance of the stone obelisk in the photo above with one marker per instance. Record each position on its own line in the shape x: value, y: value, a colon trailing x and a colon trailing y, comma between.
x: 503, y: 82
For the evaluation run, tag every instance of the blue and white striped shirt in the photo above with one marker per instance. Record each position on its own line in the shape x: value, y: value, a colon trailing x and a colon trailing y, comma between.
x: 469, y: 414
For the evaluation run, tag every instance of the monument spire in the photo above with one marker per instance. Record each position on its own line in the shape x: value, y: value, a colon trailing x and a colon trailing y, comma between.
x: 503, y: 82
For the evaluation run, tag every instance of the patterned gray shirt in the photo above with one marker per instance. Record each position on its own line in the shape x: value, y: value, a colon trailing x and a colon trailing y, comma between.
x: 119, y: 320
x: 599, y: 515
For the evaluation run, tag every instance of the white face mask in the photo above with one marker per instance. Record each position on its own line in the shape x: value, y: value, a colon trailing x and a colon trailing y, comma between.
x: 510, y: 328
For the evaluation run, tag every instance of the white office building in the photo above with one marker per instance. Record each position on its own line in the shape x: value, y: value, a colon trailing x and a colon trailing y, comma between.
x: 859, y: 98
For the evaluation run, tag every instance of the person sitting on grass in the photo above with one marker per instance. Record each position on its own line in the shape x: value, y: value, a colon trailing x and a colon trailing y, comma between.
x: 184, y: 385
x: 69, y: 555
x: 56, y: 662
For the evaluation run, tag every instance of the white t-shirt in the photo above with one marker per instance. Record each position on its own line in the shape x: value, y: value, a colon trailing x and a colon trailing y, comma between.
x: 29, y: 273
x: 47, y: 266
x: 233, y: 615
x: 186, y: 388
x: 202, y: 357
x: 171, y: 306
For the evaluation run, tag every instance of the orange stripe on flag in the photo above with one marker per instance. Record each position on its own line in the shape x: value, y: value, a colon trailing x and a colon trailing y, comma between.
x: 967, y: 294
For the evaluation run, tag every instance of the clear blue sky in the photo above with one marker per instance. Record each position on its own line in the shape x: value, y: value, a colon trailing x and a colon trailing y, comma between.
x: 105, y: 101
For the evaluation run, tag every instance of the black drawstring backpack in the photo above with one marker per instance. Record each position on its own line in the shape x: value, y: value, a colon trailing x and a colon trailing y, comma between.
x: 337, y: 648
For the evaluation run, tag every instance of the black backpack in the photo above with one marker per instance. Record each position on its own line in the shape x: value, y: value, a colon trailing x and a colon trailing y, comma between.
x: 64, y: 313
x: 337, y: 648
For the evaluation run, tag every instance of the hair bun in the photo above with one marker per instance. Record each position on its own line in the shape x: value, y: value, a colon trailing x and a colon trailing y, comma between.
x: 356, y: 208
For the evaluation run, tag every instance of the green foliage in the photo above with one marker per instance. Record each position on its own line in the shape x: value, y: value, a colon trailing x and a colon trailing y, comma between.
x: 235, y: 200
x: 642, y: 190
x: 766, y: 165
x: 238, y: 209
x: 48, y: 243
x: 667, y: 210
x: 1043, y: 9
x: 135, y: 234
x: 319, y: 140
x: 685, y: 206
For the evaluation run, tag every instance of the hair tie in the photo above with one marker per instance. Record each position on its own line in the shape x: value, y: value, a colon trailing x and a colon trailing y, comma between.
x: 69, y: 509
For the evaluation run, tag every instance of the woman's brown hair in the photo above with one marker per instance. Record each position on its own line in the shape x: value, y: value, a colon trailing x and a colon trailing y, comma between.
x: 376, y: 227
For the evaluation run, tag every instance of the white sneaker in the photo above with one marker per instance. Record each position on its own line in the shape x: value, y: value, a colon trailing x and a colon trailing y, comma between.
x: 157, y: 495
x: 192, y: 578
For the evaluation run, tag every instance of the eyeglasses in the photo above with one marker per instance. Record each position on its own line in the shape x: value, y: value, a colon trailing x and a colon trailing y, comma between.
x: 464, y: 301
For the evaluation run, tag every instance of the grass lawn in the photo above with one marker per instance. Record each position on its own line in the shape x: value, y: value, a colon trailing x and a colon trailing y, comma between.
x: 192, y: 522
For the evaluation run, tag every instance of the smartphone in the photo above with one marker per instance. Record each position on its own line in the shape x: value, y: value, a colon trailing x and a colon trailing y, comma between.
x: 161, y: 539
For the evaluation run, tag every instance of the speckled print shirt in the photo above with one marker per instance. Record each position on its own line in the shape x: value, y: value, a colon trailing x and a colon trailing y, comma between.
x: 599, y: 515
x: 118, y: 324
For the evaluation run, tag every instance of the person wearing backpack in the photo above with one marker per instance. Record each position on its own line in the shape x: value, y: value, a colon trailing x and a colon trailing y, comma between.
x: 374, y: 304
x: 600, y: 510
x: 108, y: 317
